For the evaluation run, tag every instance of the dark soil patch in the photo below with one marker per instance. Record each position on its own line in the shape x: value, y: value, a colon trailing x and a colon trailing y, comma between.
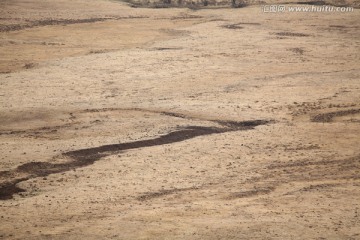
x: 316, y: 3
x: 299, y: 51
x: 244, y: 125
x: 178, y: 115
x: 319, y: 187
x: 87, y: 156
x: 204, y: 4
x: 291, y: 34
x: 29, y: 65
x: 8, y: 189
x: 93, y: 154
x: 98, y: 51
x: 249, y: 23
x: 43, y: 168
x: 5, y: 174
x: 338, y: 26
x: 251, y: 193
x: 167, y: 48
x: 162, y: 193
x: 187, y: 16
x: 50, y: 22
x: 328, y: 117
x: 233, y: 26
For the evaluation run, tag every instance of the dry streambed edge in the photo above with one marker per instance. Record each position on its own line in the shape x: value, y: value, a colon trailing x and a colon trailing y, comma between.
x: 52, y: 22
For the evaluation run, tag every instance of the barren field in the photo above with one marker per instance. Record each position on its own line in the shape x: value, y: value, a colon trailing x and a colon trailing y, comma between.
x: 119, y: 122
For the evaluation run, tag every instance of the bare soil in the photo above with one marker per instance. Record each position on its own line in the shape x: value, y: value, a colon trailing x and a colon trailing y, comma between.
x: 140, y: 123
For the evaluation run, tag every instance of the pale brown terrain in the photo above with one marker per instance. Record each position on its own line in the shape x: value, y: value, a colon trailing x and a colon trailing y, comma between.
x: 140, y: 123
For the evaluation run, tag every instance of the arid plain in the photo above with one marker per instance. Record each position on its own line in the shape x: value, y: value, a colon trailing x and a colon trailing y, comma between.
x: 136, y: 123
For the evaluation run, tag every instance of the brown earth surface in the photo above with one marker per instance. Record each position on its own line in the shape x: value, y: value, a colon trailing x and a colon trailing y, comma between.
x: 140, y: 123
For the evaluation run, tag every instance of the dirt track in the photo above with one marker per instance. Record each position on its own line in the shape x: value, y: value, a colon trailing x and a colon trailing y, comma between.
x: 139, y: 123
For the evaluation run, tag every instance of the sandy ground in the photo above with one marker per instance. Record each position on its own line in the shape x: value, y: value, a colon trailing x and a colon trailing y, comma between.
x: 130, y: 123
